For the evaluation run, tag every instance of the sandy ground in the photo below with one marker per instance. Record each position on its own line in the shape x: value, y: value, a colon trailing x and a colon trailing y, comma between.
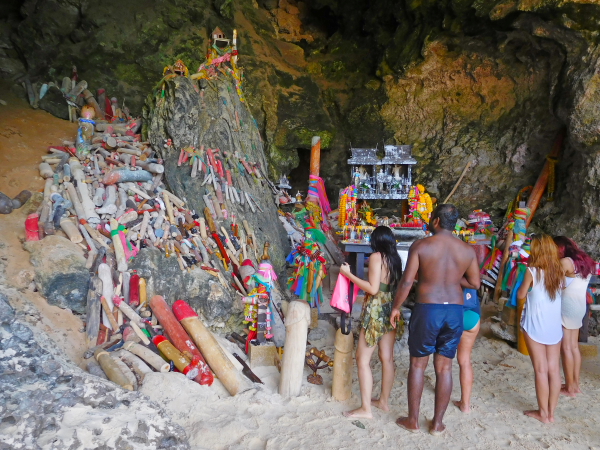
x: 503, y: 388
x: 260, y: 418
x: 24, y: 136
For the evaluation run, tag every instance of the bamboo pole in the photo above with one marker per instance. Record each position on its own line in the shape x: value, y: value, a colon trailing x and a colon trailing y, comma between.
x: 341, y: 389
x: 465, y: 170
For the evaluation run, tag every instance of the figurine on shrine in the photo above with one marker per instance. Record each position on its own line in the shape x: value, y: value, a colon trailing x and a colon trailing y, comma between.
x: 284, y: 183
x: 380, y: 180
x: 298, y: 197
x: 425, y: 206
x: 257, y: 304
x: 282, y: 198
x: 356, y: 177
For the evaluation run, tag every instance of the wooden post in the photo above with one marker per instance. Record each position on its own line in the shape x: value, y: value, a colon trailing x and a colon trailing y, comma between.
x: 147, y: 355
x: 521, y: 344
x: 341, y: 388
x: 292, y: 366
x: 507, y: 243
x: 92, y: 324
x: 540, y: 185
x: 179, y: 337
x: 112, y: 371
x: 315, y: 156
x: 105, y: 276
x: 223, y: 368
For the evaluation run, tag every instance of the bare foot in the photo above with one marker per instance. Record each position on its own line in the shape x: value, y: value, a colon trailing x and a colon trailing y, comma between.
x: 377, y: 403
x: 437, y: 429
x: 564, y: 391
x: 464, y: 408
x: 577, y: 390
x: 358, y: 414
x: 535, y: 413
x: 408, y: 425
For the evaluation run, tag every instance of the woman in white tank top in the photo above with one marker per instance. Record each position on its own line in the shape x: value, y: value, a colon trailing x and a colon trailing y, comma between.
x: 541, y: 321
x: 578, y: 267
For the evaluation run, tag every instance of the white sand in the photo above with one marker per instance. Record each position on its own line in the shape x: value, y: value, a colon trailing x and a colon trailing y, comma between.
x: 503, y: 388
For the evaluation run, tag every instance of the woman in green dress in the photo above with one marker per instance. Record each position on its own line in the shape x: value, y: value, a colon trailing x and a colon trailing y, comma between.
x: 385, y: 270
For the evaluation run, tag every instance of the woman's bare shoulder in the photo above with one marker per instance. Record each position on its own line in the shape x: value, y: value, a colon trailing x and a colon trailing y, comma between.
x: 567, y: 265
x: 375, y: 256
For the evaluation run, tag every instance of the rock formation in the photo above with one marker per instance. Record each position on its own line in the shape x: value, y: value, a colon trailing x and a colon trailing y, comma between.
x: 60, y: 272
x: 213, y: 116
x: 47, y: 402
x: 490, y: 80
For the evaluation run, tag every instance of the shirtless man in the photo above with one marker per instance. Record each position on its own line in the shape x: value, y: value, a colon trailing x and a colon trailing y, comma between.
x: 444, y: 265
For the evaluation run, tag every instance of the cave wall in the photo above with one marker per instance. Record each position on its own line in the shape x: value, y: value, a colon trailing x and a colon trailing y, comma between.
x: 486, y: 80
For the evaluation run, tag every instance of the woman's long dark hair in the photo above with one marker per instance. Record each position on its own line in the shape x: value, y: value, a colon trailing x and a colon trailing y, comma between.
x: 384, y: 242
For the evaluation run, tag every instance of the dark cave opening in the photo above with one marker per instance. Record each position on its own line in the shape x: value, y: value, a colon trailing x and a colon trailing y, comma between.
x: 298, y: 177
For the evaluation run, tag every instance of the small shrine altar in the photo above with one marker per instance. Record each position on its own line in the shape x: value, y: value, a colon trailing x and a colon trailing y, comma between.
x: 389, y: 178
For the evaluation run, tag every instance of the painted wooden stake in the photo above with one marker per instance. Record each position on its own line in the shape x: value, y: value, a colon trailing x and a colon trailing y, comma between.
x: 315, y: 156
x: 92, y: 323
x: 112, y: 371
x: 223, y: 368
x: 105, y: 276
x: 118, y: 245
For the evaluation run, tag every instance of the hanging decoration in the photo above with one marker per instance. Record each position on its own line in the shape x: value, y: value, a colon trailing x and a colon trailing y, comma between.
x: 310, y: 270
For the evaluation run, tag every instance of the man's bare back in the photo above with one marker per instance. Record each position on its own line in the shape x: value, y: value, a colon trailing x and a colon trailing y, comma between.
x: 443, y: 265
x: 443, y: 262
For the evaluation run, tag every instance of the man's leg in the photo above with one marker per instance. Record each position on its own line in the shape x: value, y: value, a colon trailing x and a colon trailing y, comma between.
x: 443, y: 390
x: 416, y: 381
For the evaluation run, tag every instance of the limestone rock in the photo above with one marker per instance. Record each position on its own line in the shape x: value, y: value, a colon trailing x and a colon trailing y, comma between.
x: 217, y: 304
x: 54, y: 102
x: 216, y: 119
x: 48, y: 402
x: 7, y: 313
x: 60, y: 273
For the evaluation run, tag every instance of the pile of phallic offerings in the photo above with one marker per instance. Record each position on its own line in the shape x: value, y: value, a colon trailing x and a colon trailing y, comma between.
x: 105, y: 193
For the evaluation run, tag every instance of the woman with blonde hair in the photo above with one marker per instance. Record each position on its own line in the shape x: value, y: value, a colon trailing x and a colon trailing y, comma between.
x: 541, y: 322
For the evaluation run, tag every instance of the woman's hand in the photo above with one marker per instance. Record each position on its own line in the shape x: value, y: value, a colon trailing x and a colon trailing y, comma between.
x: 345, y: 269
x: 394, y: 317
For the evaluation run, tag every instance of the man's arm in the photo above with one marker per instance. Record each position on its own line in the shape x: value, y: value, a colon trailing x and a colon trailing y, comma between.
x: 408, y: 278
x: 472, y: 278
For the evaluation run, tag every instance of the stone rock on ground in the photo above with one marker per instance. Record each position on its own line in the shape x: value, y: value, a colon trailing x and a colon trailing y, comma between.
x: 54, y: 102
x: 219, y: 306
x: 49, y: 403
x: 60, y: 273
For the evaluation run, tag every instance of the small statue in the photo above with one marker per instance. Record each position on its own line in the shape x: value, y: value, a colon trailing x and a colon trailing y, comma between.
x: 396, y: 172
x: 282, y: 198
x: 284, y: 183
x: 294, y: 235
x: 356, y: 177
x: 380, y: 180
x: 298, y: 197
